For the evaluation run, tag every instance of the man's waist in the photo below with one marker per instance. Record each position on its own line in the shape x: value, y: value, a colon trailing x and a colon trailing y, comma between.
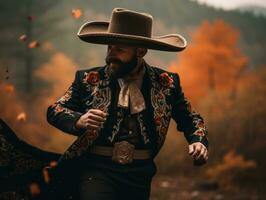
x: 122, y: 152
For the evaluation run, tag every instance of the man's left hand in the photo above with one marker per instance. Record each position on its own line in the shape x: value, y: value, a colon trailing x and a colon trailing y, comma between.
x: 198, y: 151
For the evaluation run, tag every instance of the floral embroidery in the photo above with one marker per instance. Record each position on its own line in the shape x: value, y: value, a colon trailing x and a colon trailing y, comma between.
x: 201, y: 128
x: 66, y: 96
x: 117, y: 125
x: 101, y: 99
x: 200, y: 124
x: 199, y: 133
x: 162, y: 110
x: 80, y: 145
x: 143, y: 128
x: 157, y: 120
x: 166, y: 80
x: 58, y: 104
x: 92, y: 77
x: 58, y: 108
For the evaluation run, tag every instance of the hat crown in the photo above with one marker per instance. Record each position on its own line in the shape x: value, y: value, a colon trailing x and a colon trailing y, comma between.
x: 129, y: 22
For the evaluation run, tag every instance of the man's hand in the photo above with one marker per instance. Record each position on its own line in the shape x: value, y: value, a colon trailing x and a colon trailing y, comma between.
x: 93, y: 119
x: 198, y: 151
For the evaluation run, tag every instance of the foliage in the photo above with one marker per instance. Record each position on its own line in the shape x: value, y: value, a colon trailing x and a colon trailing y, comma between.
x: 213, y: 60
x: 229, y: 168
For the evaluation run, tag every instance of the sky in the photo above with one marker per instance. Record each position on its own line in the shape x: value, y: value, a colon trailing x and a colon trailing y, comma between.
x: 231, y: 4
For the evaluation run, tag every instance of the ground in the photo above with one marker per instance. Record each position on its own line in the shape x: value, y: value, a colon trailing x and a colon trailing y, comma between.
x: 187, y: 188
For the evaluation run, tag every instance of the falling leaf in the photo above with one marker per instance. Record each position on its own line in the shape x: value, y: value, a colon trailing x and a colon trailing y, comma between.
x: 46, y: 176
x: 45, y: 171
x: 165, y: 184
x: 53, y: 163
x: 21, y: 117
x: 33, y: 44
x: 76, y: 13
x: 30, y: 18
x: 9, y: 88
x: 34, y: 189
x: 194, y: 193
x: 22, y: 38
x: 7, y: 75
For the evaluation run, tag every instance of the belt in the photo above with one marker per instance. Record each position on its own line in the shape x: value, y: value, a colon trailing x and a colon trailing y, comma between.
x: 122, y: 152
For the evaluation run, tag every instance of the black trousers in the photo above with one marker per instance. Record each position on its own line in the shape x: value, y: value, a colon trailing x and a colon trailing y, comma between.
x: 106, y: 184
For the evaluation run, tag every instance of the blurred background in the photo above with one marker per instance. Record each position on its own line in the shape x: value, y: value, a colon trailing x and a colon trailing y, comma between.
x: 223, y: 74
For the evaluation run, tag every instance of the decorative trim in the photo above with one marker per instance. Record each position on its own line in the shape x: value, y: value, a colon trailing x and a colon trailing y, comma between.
x: 143, y: 130
x: 101, y: 99
x: 162, y: 110
x: 116, y: 126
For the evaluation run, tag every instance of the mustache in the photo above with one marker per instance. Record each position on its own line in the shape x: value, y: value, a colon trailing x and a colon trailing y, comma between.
x: 112, y: 59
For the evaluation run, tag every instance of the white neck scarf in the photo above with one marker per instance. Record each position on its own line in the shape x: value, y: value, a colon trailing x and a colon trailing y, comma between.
x: 130, y: 92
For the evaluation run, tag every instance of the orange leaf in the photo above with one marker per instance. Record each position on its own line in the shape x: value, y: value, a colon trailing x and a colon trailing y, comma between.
x: 76, y: 13
x: 9, y: 88
x: 33, y: 44
x: 34, y: 189
x: 22, y: 117
x: 30, y: 18
x: 46, y: 175
x: 22, y: 38
x: 53, y: 163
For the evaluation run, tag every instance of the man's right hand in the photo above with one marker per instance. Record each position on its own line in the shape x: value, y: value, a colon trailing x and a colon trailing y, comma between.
x: 93, y: 119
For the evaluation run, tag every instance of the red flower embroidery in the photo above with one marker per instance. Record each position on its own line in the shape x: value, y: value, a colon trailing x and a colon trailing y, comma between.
x: 157, y: 120
x: 66, y: 96
x: 165, y: 79
x: 58, y: 108
x: 199, y: 133
x: 92, y: 77
x: 201, y: 124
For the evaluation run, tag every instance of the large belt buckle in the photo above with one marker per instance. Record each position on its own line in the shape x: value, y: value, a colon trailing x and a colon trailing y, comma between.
x: 123, y: 152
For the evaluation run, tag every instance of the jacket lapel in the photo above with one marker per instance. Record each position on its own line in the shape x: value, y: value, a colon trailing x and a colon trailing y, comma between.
x: 161, y: 106
x: 101, y: 96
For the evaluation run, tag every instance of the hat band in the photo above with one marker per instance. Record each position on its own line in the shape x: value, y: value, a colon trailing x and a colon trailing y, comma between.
x: 129, y: 31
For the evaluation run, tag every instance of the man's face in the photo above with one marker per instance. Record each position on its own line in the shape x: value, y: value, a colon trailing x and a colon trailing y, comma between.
x: 121, y: 60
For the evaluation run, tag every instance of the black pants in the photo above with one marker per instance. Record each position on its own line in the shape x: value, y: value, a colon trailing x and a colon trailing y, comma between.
x: 104, y: 184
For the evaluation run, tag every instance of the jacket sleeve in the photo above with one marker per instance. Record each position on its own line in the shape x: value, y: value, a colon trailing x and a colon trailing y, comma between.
x: 187, y: 119
x: 65, y: 112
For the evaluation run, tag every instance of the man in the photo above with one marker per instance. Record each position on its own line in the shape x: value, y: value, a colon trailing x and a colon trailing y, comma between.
x: 121, y: 111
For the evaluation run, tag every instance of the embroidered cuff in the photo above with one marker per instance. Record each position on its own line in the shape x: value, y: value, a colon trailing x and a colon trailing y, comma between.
x: 201, y: 139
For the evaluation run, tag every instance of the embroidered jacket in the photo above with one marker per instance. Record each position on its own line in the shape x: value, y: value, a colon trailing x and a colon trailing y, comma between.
x: 93, y: 88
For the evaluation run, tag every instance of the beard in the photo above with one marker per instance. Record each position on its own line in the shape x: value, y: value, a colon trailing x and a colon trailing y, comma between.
x: 120, y: 69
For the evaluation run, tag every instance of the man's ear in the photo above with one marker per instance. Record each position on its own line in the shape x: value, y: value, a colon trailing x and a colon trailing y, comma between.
x: 141, y: 52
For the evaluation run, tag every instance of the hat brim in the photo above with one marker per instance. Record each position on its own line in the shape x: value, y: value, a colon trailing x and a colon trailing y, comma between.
x: 96, y: 32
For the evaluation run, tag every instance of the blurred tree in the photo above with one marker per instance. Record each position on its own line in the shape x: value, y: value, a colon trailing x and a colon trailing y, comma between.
x: 210, y: 68
x: 212, y: 62
x: 21, y: 33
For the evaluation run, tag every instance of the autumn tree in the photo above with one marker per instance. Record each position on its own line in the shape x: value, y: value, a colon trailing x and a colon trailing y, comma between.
x: 212, y: 61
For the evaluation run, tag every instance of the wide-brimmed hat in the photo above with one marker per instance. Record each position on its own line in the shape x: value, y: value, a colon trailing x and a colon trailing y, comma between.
x: 130, y: 28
